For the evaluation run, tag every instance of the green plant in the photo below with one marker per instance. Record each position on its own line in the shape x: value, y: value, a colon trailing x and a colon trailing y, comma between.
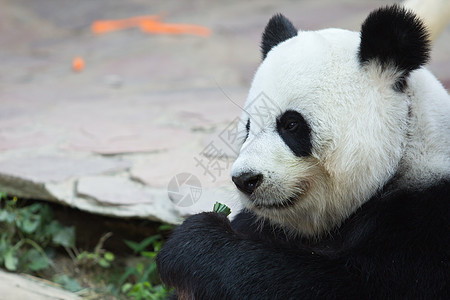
x: 67, y: 282
x: 141, y: 281
x: 99, y: 257
x: 27, y: 232
x: 221, y: 209
x: 144, y: 290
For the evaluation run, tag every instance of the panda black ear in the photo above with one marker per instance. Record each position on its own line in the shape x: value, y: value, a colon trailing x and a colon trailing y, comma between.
x: 277, y: 30
x: 394, y: 37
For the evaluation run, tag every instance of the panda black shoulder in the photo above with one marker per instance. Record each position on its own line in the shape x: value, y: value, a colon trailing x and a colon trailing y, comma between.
x: 395, y: 218
x: 403, y: 217
x: 382, y: 238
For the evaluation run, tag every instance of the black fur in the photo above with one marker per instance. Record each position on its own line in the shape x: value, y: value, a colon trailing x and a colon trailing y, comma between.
x: 298, y: 138
x: 394, y: 37
x: 277, y: 30
x: 396, y: 246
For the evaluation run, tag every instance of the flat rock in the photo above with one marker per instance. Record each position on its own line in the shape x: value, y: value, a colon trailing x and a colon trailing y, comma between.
x: 29, y: 176
x: 19, y: 287
x: 159, y: 209
x: 110, y: 141
x: 43, y: 169
x: 157, y: 170
x: 113, y: 190
x: 204, y: 108
x: 25, y: 140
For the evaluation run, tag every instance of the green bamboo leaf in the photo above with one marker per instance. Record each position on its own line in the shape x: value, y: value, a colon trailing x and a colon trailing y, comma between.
x: 11, y: 261
x: 126, y: 287
x: 133, y: 245
x: 31, y: 224
x: 37, y: 261
x: 164, y: 227
x: 149, y: 254
x: 138, y: 247
x: 6, y: 216
x: 140, y: 268
x: 221, y: 209
x: 65, y: 237
x: 109, y: 256
x: 68, y: 283
x: 103, y: 263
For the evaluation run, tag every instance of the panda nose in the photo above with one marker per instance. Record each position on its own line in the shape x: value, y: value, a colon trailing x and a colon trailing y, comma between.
x: 247, y: 182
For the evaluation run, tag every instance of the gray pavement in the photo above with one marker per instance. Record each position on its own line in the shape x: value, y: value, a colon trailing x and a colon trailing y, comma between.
x: 146, y: 107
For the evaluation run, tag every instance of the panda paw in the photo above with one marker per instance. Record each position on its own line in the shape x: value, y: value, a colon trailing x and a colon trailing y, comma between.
x: 192, y: 247
x: 201, y: 226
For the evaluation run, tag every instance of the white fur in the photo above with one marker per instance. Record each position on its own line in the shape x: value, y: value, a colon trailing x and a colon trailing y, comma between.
x: 360, y: 127
x: 427, y: 155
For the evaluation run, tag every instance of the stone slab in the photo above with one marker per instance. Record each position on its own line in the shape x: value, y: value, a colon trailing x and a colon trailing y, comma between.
x: 113, y: 190
x: 43, y: 169
x: 157, y: 170
x: 136, y: 140
x: 26, y: 287
x: 30, y: 140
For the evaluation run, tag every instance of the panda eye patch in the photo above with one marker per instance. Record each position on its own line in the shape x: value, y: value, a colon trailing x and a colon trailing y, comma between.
x: 295, y: 132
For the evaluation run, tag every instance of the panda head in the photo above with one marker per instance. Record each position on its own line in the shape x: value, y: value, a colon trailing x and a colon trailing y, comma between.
x: 326, y: 118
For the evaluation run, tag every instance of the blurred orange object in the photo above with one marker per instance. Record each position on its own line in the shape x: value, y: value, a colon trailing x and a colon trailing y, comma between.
x: 158, y: 27
x: 78, y: 64
x: 104, y: 26
x: 148, y: 24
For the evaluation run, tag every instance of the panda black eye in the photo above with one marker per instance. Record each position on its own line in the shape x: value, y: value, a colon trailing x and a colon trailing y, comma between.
x: 291, y: 126
x: 295, y: 132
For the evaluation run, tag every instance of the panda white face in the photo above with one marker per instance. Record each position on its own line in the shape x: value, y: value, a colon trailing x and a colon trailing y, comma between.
x: 325, y: 130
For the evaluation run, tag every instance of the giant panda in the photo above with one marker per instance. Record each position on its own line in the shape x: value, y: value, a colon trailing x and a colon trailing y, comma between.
x: 345, y: 180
